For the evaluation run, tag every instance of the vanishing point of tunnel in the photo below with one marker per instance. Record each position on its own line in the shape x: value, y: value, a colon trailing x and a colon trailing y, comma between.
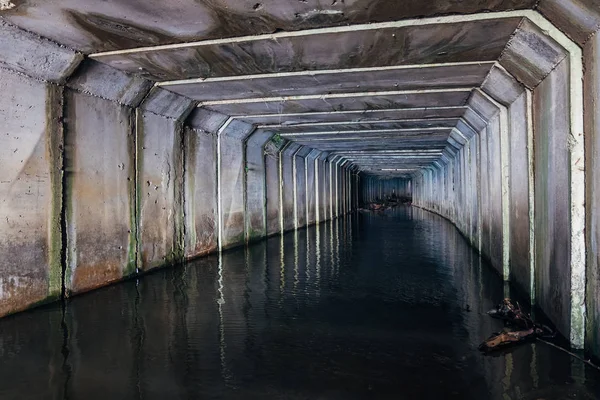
x: 341, y: 190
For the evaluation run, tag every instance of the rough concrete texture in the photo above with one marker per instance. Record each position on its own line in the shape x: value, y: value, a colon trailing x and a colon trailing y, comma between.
x: 285, y: 53
x: 520, y: 271
x: 91, y: 26
x: 168, y: 104
x: 579, y: 19
x: 357, y: 101
x: 336, y: 81
x: 100, y: 176
x: 231, y: 193
x: 281, y: 119
x: 30, y: 193
x: 287, y: 186
x: 36, y: 57
x: 300, y: 209
x: 410, y: 99
x: 200, y: 192
x: 159, y: 151
x: 311, y: 182
x: 273, y: 186
x: 592, y: 137
x: 255, y: 213
x: 100, y: 80
x: 543, y: 55
x: 552, y: 204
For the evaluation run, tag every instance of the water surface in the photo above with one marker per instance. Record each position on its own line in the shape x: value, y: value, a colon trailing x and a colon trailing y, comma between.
x: 369, y: 306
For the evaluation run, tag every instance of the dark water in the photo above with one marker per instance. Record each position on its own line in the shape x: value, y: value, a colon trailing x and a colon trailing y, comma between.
x: 370, y: 306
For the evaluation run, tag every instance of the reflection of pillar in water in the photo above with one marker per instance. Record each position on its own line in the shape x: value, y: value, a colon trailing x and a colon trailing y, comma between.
x: 282, y: 265
x: 225, y: 374
x: 318, y: 259
x: 296, y: 262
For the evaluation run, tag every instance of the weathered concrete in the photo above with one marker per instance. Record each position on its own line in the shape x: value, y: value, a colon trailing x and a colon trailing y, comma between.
x: 300, y: 189
x: 200, y: 186
x: 333, y: 81
x: 255, y: 200
x: 99, y: 192
x: 552, y: 204
x: 286, y: 160
x: 31, y: 55
x: 231, y: 182
x: 592, y: 132
x: 159, y: 148
x: 457, y: 105
x: 30, y: 192
x: 200, y: 192
x: 272, y: 177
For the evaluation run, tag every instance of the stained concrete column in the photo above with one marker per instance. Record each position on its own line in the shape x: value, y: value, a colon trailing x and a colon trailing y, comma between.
x: 256, y: 191
x: 592, y: 137
x: 31, y: 161
x: 101, y: 195
x: 200, y: 186
x: 300, y: 195
x: 288, y: 184
x: 272, y: 156
x: 160, y: 169
x: 231, y: 182
x: 311, y: 185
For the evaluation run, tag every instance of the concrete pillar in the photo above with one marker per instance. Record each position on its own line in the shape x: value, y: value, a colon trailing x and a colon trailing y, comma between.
x: 31, y: 160
x: 256, y: 190
x: 287, y: 186
x: 300, y: 184
x: 201, y: 218
x: 231, y: 182
x: 592, y: 138
x: 160, y: 168
x: 311, y: 185
x: 273, y: 185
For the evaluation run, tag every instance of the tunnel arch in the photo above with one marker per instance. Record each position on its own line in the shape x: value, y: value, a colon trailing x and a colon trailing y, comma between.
x: 289, y: 116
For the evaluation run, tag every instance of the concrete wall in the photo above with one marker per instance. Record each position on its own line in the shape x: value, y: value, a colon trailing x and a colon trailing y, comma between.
x: 99, y: 192
x: 105, y: 177
x: 512, y: 187
x: 30, y: 192
x: 552, y: 202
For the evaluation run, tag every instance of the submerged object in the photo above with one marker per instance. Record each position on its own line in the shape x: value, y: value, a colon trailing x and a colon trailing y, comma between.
x: 521, y: 327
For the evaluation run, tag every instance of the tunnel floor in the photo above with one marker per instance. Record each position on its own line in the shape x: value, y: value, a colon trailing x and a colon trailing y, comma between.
x: 371, y: 306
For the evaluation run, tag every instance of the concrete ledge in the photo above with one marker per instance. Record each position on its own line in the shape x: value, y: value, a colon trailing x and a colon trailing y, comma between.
x: 168, y: 104
x: 108, y: 83
x: 36, y: 57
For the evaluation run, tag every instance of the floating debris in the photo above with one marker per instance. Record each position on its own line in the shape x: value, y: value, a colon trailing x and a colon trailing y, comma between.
x: 520, y: 327
x: 387, y: 203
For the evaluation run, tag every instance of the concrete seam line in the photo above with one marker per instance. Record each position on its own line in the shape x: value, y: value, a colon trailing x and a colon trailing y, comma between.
x: 373, y: 131
x: 320, y: 72
x: 531, y: 193
x: 358, y: 122
x: 371, y: 93
x: 451, y: 19
x: 253, y: 116
x: 219, y: 199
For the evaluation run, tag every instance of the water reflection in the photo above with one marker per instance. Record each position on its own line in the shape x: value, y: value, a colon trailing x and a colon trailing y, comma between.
x: 368, y: 306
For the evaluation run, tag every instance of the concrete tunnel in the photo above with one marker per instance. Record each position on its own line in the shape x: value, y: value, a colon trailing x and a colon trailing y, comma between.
x: 137, y: 134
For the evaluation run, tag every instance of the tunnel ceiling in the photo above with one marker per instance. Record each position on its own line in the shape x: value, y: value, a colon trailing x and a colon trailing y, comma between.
x: 360, y: 79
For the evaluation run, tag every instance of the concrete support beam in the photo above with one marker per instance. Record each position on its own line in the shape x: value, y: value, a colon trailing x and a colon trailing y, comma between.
x: 256, y: 190
x: 33, y: 56
x: 231, y: 182
x: 31, y: 186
